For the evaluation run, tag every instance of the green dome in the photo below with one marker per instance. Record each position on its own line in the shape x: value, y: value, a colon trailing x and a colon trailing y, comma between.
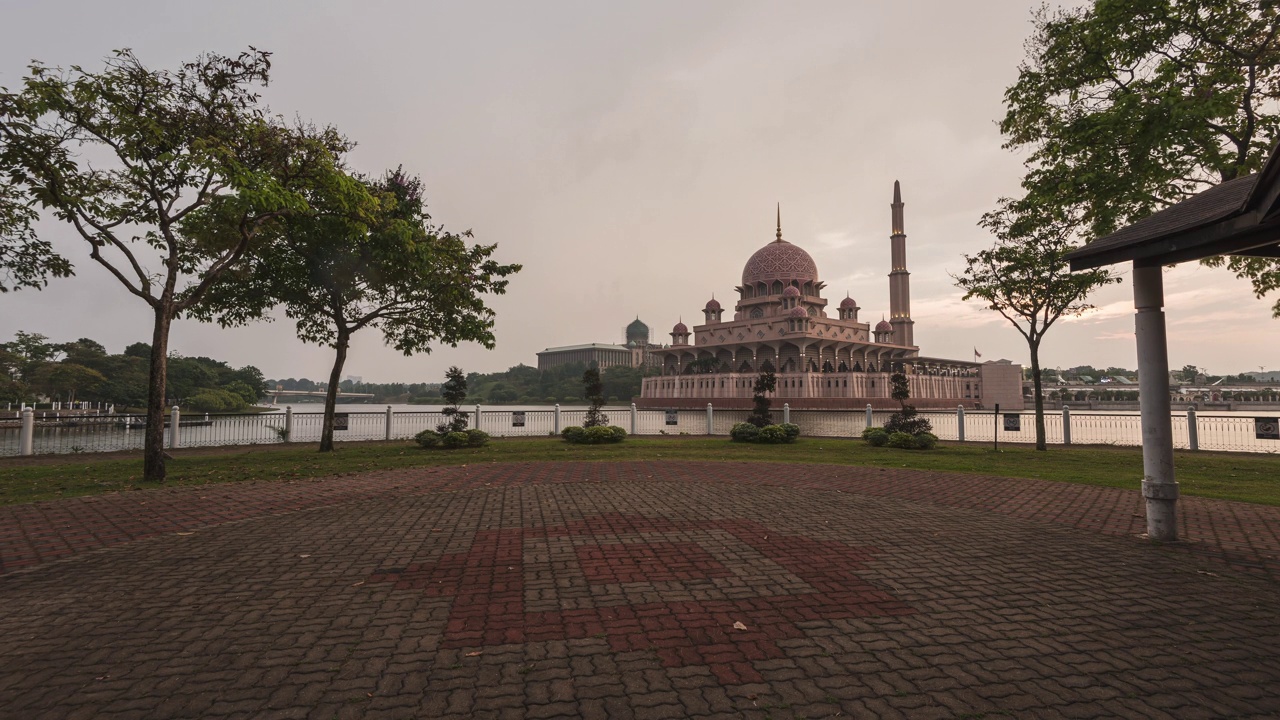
x: 638, y: 332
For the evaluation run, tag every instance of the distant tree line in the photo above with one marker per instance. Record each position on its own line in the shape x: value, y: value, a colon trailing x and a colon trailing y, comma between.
x: 32, y: 369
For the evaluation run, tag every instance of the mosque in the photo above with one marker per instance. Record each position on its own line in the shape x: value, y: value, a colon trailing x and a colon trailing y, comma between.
x: 780, y: 322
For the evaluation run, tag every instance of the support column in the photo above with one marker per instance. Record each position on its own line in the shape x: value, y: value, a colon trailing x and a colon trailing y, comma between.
x: 1158, y: 484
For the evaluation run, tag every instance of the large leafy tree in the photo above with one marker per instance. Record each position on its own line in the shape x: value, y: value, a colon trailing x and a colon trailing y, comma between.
x: 26, y: 261
x: 1127, y: 106
x: 1026, y: 278
x: 371, y: 259
x: 169, y: 178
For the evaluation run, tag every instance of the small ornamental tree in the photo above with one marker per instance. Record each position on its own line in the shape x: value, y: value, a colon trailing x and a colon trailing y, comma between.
x: 906, y: 420
x: 593, y: 389
x: 454, y: 391
x: 765, y: 384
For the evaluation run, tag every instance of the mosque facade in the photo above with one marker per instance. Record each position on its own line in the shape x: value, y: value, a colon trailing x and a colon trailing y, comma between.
x: 823, y: 358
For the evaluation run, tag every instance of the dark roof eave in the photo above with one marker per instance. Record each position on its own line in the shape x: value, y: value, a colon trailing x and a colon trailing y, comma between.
x: 1238, y: 234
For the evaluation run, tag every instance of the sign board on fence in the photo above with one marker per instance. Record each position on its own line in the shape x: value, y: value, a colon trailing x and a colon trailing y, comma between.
x: 673, y: 417
x: 340, y: 421
x: 1266, y: 428
x: 517, y: 418
x: 1012, y: 422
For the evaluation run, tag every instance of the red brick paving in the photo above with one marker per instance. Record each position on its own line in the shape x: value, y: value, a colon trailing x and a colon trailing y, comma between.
x: 611, y: 590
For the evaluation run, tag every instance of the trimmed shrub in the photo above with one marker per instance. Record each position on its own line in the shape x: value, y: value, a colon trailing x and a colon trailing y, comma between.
x: 792, y: 431
x: 902, y: 440
x: 773, y: 435
x: 744, y: 432
x: 908, y: 421
x: 926, y: 441
x: 477, y: 438
x: 875, y: 436
x: 598, y: 435
x: 427, y: 438
x: 455, y: 440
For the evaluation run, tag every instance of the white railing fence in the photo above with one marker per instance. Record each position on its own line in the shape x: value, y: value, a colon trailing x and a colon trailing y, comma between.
x: 28, y: 432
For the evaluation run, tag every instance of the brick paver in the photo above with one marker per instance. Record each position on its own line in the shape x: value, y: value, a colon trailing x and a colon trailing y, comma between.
x: 645, y: 590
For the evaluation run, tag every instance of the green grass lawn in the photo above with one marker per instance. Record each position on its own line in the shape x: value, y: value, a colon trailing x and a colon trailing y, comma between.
x: 1233, y: 476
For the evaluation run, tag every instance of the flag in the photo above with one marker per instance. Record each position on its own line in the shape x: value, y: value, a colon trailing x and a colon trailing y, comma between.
x: 976, y: 354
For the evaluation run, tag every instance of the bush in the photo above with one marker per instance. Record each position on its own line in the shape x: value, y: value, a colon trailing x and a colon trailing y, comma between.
x: 455, y: 440
x: 214, y: 400
x: 902, y: 440
x: 744, y: 432
x: 598, y: 435
x: 908, y: 421
x: 769, y: 434
x: 926, y: 441
x: 877, y: 437
x: 427, y: 438
x: 477, y: 438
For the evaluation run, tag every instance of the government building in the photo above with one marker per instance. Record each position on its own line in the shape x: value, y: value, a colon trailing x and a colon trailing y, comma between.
x: 637, y: 352
x: 781, y: 322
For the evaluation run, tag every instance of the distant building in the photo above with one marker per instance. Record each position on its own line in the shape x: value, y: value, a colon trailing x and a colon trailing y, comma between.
x: 637, y: 352
x: 780, y: 323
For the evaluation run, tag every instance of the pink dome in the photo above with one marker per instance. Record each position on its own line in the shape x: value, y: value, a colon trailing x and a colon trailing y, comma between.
x: 791, y: 291
x: 798, y: 313
x: 679, y: 328
x: 848, y: 303
x: 713, y: 304
x: 779, y: 260
x: 884, y: 326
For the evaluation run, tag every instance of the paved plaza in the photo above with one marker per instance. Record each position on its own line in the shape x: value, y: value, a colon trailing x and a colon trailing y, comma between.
x: 637, y: 590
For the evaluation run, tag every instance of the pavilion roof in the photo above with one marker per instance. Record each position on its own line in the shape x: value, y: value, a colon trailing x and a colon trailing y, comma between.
x: 1237, y: 217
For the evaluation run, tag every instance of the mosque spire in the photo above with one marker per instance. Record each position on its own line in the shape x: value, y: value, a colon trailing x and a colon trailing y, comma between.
x: 779, y: 222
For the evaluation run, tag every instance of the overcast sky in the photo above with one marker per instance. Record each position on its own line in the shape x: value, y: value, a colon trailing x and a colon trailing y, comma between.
x: 630, y: 155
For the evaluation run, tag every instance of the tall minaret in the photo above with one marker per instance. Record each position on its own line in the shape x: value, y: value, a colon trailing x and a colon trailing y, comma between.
x: 899, y: 278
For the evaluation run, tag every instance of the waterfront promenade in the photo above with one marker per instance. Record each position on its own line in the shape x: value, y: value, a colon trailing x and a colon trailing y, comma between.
x: 637, y: 589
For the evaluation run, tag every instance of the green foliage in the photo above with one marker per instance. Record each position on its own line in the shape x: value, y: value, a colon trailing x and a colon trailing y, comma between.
x: 1125, y: 107
x: 766, y: 383
x: 902, y: 440
x: 926, y: 441
x: 454, y: 391
x: 427, y: 438
x: 593, y: 389
x: 744, y: 432
x: 908, y: 421
x: 453, y: 440
x: 477, y: 438
x: 877, y: 437
x: 901, y: 388
x: 783, y: 433
x: 26, y: 261
x: 596, y: 435
x: 215, y: 400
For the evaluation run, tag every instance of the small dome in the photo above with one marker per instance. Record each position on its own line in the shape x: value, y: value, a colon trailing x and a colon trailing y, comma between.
x: 791, y: 291
x: 679, y: 329
x: 713, y: 304
x: 884, y: 326
x: 798, y: 313
x: 848, y: 303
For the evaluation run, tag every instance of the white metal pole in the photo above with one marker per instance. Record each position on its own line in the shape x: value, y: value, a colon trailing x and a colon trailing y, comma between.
x: 1193, y: 432
x: 710, y: 423
x: 1066, y: 425
x: 1159, y: 486
x: 389, y: 422
x: 27, y: 441
x: 557, y: 418
x: 288, y: 423
x: 960, y: 423
x: 633, y: 418
x: 477, y: 425
x: 174, y: 416
x: 786, y: 412
x: 871, y: 421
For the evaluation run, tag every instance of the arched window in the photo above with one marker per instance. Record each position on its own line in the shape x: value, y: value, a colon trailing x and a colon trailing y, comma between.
x: 757, y: 312
x: 777, y: 288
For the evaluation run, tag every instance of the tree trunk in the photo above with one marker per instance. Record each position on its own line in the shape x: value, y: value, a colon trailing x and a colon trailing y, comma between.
x: 153, y: 469
x: 1039, y: 398
x: 331, y: 396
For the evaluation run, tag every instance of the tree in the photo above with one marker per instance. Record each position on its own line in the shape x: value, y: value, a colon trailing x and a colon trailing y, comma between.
x: 1128, y: 106
x: 454, y: 391
x: 593, y: 391
x: 368, y: 257
x: 64, y: 379
x: 26, y: 261
x: 1027, y: 280
x: 906, y: 420
x: 766, y: 383
x: 187, y: 166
